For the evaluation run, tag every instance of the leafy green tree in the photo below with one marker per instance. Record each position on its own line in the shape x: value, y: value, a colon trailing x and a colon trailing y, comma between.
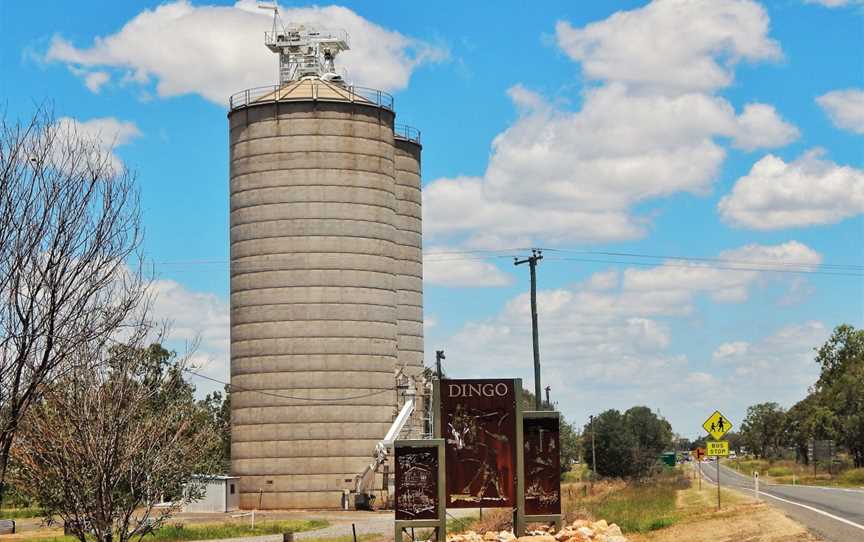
x: 839, y: 388
x: 763, y: 429
x: 217, y: 408
x: 699, y: 442
x: 571, y: 445
x: 735, y: 441
x: 629, y: 444
x: 653, y: 436
x: 807, y: 420
x: 107, y: 441
x: 613, y: 445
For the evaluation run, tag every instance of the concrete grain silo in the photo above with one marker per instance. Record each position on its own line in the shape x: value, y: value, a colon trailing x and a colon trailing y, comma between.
x: 326, y: 277
x: 409, y: 248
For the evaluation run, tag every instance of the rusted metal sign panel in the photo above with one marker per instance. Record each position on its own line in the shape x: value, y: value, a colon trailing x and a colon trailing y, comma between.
x: 478, y: 423
x: 416, y: 482
x: 542, y: 466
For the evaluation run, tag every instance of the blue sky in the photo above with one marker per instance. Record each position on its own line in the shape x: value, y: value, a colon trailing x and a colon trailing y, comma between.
x: 661, y: 132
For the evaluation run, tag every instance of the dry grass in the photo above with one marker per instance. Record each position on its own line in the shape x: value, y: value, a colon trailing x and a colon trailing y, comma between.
x: 739, y: 520
x: 635, y: 506
x: 494, y: 519
x: 781, y: 471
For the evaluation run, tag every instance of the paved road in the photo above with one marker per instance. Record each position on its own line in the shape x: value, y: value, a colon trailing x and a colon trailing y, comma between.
x: 836, y: 514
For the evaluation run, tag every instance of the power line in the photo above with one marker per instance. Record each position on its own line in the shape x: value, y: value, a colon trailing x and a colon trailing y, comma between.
x: 706, y: 259
x: 719, y: 267
x: 234, y: 387
x: 683, y: 263
x: 670, y: 261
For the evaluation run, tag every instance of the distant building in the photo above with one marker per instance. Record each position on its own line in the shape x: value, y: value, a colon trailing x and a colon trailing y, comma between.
x: 221, y: 494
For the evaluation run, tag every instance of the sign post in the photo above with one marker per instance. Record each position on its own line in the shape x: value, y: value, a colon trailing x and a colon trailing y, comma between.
x: 700, y: 455
x: 420, y: 487
x: 717, y: 425
x: 542, y: 468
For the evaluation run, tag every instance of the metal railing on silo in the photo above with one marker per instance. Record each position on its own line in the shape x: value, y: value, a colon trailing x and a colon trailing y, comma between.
x: 403, y: 131
x: 332, y: 93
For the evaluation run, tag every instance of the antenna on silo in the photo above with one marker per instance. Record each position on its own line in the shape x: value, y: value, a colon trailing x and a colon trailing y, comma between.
x: 304, y: 51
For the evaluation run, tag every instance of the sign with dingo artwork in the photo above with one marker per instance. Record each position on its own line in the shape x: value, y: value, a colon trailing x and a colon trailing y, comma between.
x: 416, y: 482
x: 478, y: 424
x: 541, y: 442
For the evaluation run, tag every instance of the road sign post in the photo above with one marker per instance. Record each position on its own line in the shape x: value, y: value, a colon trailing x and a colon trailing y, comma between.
x: 717, y: 425
x: 700, y: 455
x: 717, y: 460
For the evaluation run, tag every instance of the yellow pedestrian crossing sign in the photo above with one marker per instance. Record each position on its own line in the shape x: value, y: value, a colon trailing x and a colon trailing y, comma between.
x: 717, y: 425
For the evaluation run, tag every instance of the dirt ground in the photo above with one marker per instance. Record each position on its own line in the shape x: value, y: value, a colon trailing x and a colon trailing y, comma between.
x: 739, y: 520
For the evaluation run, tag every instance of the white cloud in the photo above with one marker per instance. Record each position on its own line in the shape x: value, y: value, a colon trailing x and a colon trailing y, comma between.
x: 845, y: 108
x: 788, y: 351
x: 443, y: 267
x: 196, y: 316
x: 730, y: 351
x: 835, y: 3
x: 759, y: 126
x: 107, y: 133
x: 561, y: 176
x: 215, y: 51
x: 805, y: 192
x: 623, y: 308
x: 651, y: 129
x: 672, y: 287
x: 672, y: 45
x: 95, y: 80
x: 607, y: 342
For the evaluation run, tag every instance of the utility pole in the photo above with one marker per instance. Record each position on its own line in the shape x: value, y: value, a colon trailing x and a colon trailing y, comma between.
x: 548, y: 403
x: 593, y: 452
x: 439, y: 355
x: 532, y: 260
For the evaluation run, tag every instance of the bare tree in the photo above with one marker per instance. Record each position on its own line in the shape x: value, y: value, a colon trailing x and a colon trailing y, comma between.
x: 103, y: 445
x: 69, y: 226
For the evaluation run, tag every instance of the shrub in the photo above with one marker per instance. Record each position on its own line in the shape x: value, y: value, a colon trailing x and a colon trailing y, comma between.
x: 854, y: 476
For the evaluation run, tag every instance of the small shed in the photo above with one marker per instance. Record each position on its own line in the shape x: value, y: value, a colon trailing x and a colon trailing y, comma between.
x: 221, y: 494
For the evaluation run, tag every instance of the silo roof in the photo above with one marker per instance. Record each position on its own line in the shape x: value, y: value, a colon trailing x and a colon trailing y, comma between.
x: 312, y: 89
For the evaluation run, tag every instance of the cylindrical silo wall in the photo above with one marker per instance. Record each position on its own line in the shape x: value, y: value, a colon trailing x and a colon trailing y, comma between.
x: 313, y: 297
x: 409, y: 279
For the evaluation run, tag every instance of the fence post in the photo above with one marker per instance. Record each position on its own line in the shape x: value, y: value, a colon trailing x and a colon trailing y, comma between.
x: 756, y: 483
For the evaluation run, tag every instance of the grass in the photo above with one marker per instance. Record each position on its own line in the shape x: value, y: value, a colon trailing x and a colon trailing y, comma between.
x: 460, y: 525
x: 577, y: 473
x: 179, y: 531
x: 779, y: 471
x: 636, y: 507
x: 853, y: 477
x: 348, y: 538
x: 19, y: 513
x: 783, y: 471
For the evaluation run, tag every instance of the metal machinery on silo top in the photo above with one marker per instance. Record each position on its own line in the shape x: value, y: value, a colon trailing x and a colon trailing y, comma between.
x: 326, y: 278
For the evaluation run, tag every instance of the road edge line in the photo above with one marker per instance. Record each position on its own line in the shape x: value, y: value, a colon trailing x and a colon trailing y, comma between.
x: 827, y: 488
x: 812, y: 509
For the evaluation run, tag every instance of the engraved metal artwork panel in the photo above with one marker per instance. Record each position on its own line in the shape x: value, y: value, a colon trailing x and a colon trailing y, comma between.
x: 478, y: 423
x: 542, y: 466
x: 416, y: 482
